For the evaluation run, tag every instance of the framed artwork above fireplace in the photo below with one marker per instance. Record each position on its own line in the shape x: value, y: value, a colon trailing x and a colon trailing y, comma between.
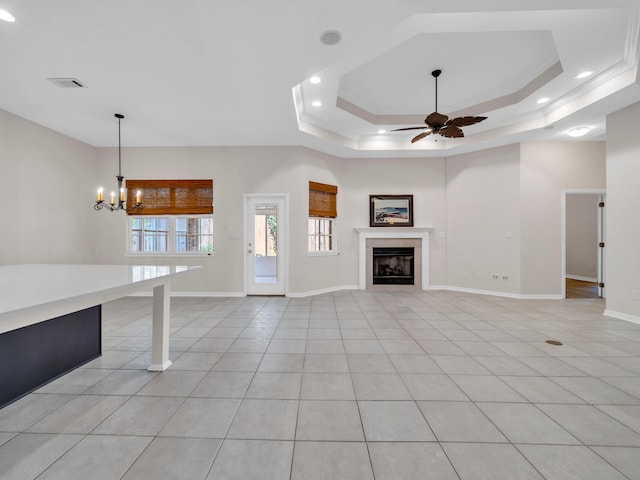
x: 391, y: 210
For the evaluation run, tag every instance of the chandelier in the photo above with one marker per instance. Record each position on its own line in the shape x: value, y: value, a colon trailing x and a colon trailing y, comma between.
x: 121, y: 205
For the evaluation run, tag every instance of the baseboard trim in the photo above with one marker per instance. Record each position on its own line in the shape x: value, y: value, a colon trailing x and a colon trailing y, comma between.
x: 194, y: 294
x: 581, y: 278
x: 622, y: 316
x: 493, y: 293
x: 322, y: 291
x: 339, y: 288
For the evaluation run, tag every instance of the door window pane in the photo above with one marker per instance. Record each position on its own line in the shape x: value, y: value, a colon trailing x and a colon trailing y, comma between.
x: 266, y: 243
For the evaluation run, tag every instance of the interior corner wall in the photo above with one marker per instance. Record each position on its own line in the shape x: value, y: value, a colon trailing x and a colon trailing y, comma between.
x: 424, y: 178
x: 483, y: 220
x: 235, y: 171
x: 622, y: 281
x: 546, y: 169
x: 49, y: 184
x: 285, y: 170
x: 473, y: 201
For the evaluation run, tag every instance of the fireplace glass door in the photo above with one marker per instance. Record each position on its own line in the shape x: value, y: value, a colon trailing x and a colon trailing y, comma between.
x: 393, y: 266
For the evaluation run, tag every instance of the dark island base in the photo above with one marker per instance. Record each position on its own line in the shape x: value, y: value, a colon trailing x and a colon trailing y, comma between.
x: 35, y: 355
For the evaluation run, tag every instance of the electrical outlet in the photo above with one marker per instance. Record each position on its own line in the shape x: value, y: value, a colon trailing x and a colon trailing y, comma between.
x: 495, y: 276
x: 634, y: 294
x: 505, y: 276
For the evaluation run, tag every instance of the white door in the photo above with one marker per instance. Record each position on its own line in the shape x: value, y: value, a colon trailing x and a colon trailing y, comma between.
x: 265, y: 220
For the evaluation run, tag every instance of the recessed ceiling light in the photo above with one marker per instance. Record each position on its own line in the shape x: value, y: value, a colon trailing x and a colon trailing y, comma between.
x: 543, y: 100
x: 585, y: 74
x: 6, y: 16
x: 315, y: 80
x: 331, y: 37
x: 380, y: 132
x: 578, y: 131
x: 316, y: 103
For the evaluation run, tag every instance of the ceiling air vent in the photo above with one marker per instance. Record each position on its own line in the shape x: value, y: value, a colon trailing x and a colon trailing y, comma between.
x: 67, y: 82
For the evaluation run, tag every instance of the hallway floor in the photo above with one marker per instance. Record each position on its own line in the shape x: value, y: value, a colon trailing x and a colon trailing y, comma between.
x: 350, y: 385
x: 580, y: 289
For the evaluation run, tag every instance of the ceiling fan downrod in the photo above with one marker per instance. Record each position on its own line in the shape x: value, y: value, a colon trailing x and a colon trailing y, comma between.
x: 436, y: 74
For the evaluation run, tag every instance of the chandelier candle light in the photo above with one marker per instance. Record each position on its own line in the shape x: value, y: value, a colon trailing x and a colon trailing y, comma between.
x: 100, y: 203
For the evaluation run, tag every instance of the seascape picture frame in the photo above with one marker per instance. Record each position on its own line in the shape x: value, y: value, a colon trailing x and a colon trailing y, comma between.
x: 391, y: 210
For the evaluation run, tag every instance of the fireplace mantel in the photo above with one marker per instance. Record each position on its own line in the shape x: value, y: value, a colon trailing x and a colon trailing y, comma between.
x: 420, y: 233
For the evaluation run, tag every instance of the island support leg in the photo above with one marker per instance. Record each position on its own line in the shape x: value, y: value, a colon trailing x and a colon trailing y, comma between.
x: 160, y: 330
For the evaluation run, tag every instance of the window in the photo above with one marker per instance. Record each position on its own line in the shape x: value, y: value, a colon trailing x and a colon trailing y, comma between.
x: 177, y: 217
x: 322, y: 218
x: 321, y: 234
x: 149, y: 234
x: 171, y: 235
x: 194, y: 234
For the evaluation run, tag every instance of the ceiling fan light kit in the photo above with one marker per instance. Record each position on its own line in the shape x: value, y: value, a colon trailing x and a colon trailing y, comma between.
x: 441, y: 124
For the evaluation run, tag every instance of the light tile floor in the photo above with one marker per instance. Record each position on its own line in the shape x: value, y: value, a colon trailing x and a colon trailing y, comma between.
x: 351, y: 385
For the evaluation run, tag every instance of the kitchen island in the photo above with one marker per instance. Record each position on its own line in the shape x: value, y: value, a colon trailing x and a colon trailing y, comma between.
x: 50, y: 317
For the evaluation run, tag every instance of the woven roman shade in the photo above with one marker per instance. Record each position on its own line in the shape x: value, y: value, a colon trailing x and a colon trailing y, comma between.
x: 322, y: 200
x: 171, y: 197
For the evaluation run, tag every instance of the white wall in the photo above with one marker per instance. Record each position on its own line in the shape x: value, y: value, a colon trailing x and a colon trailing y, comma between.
x: 473, y: 201
x: 483, y: 220
x: 238, y: 170
x: 546, y: 169
x: 48, y: 188
x: 423, y: 178
x: 582, y: 236
x: 623, y: 205
x: 235, y: 171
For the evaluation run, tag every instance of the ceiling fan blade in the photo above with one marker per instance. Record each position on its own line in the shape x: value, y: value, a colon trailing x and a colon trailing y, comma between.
x: 408, y: 128
x: 465, y: 121
x: 420, y: 136
x: 436, y: 118
x: 451, y: 131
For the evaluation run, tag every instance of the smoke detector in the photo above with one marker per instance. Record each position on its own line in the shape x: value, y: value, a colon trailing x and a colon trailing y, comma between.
x: 331, y: 37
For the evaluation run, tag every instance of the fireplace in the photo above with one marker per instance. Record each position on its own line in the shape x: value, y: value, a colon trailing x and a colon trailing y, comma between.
x: 393, y: 266
x: 416, y: 239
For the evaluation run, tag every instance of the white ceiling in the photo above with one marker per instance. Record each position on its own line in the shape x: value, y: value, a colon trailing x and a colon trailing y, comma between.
x: 230, y: 72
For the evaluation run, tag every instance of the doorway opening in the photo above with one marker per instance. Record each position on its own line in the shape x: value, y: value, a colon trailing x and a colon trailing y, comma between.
x: 265, y: 220
x: 583, y: 244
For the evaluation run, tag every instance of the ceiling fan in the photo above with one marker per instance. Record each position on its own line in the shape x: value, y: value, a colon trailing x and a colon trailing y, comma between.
x: 441, y: 124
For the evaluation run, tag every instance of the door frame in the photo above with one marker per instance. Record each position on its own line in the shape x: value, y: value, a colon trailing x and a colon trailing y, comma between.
x: 601, y: 236
x: 283, y: 237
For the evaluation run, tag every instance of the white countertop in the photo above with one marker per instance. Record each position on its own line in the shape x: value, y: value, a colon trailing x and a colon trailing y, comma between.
x: 30, y: 292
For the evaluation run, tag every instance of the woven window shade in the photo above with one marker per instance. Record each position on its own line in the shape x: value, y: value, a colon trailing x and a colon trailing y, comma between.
x: 322, y: 200
x: 171, y: 197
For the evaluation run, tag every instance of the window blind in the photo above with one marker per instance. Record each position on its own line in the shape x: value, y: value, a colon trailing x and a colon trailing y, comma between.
x: 171, y: 197
x: 322, y: 200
